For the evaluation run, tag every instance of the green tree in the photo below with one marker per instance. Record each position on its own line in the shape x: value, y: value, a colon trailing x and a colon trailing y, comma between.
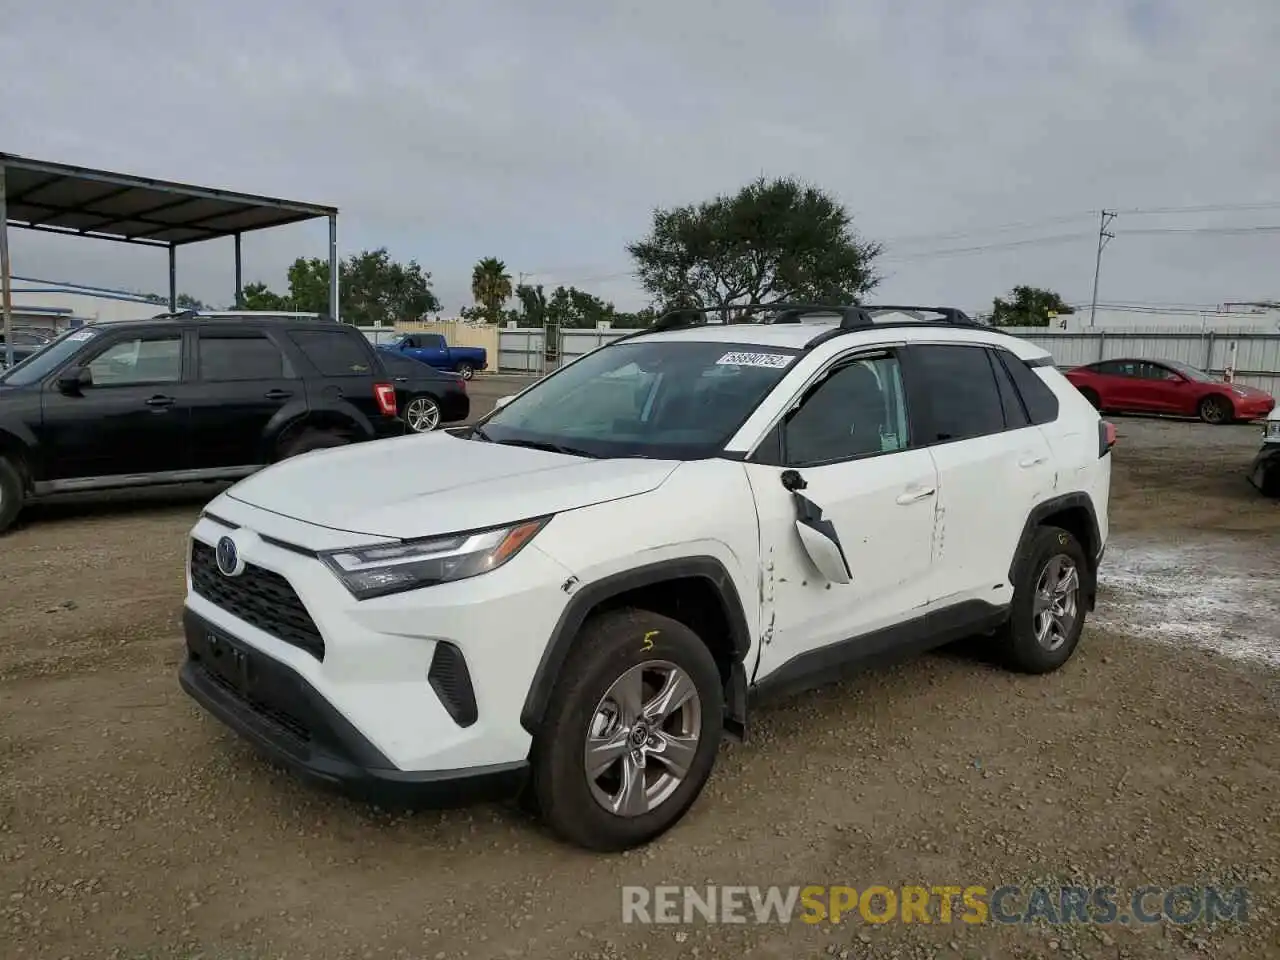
x: 638, y: 320
x: 491, y: 287
x: 1027, y: 307
x: 256, y: 296
x: 373, y: 289
x: 185, y: 301
x: 571, y: 307
x: 772, y: 241
x: 533, y: 306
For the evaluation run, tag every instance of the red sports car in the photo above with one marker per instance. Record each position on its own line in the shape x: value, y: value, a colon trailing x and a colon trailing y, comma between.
x: 1166, y: 386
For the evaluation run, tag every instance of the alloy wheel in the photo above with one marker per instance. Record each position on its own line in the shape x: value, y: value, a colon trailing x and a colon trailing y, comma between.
x: 1056, y: 604
x: 422, y: 415
x: 642, y: 738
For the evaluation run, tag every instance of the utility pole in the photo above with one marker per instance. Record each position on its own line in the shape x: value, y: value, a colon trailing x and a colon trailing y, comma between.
x: 1103, y: 237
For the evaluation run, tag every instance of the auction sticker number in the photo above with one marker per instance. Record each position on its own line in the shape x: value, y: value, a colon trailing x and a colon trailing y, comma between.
x: 774, y: 361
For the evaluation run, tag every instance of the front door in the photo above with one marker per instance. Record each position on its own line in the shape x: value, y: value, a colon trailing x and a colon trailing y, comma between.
x: 131, y: 416
x: 846, y: 510
x: 245, y: 381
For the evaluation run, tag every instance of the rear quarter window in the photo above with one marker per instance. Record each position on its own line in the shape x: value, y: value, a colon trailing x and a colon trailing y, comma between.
x: 1038, y: 398
x: 335, y: 353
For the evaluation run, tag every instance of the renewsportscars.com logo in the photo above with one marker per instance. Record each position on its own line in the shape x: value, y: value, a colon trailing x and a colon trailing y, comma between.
x: 1181, y: 904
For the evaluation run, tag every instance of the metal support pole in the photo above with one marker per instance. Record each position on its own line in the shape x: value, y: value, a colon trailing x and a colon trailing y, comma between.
x: 173, y: 279
x: 6, y: 272
x: 333, y: 267
x: 239, y: 277
x: 1103, y: 237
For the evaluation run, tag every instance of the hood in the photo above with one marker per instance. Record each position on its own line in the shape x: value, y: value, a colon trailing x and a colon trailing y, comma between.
x: 436, y: 483
x: 1248, y: 391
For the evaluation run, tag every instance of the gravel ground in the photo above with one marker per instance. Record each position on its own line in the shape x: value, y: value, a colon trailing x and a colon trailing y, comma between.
x: 133, y: 826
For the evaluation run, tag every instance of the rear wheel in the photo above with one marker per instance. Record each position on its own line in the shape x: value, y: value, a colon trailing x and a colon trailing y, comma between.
x: 10, y: 493
x: 422, y: 414
x: 465, y: 371
x: 631, y: 733
x: 312, y: 439
x: 1048, y: 611
x: 1216, y: 410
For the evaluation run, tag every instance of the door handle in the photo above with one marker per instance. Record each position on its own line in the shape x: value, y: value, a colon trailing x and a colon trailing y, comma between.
x: 160, y: 401
x: 915, y: 496
x: 278, y: 394
x: 1028, y: 462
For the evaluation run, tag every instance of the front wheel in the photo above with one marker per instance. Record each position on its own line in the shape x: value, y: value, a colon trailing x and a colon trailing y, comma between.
x: 466, y: 371
x: 1048, y: 611
x: 1216, y: 410
x: 422, y: 414
x: 631, y: 733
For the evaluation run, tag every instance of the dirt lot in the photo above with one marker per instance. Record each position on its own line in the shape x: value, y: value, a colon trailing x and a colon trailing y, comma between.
x: 133, y: 826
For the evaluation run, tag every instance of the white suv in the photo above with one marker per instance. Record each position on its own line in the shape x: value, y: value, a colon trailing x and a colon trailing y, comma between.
x: 1265, y: 471
x: 576, y: 600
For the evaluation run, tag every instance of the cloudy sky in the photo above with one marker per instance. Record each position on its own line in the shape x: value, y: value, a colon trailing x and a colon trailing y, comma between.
x: 978, y: 140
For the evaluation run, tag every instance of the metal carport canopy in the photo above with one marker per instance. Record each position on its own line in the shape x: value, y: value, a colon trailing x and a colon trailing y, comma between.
x: 78, y: 201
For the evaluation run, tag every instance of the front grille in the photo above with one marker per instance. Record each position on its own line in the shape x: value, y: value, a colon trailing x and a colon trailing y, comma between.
x: 258, y: 597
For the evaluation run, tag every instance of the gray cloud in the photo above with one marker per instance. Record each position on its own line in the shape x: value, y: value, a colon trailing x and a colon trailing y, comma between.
x: 545, y: 134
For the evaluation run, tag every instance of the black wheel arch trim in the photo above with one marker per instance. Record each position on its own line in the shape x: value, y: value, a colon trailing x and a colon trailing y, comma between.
x: 589, y: 596
x: 1036, y: 518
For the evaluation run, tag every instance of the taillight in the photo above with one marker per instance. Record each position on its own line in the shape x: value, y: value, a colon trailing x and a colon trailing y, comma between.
x: 385, y: 394
x: 1106, y: 437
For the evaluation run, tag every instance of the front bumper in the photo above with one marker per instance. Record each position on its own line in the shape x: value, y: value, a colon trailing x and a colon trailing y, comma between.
x: 289, y: 722
x: 1264, y: 473
x: 1254, y: 408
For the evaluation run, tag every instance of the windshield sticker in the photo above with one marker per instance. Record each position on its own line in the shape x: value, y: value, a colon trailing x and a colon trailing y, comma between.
x: 772, y: 361
x: 81, y: 335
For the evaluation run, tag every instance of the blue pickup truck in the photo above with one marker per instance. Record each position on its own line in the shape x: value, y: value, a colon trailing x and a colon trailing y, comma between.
x: 431, y: 349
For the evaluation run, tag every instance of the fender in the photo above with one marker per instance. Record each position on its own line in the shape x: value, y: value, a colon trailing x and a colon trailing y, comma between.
x: 591, y: 595
x: 1092, y: 547
x: 15, y: 435
x: 298, y: 411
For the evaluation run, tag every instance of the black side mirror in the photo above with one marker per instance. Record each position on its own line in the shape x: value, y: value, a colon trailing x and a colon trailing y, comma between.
x: 73, y: 379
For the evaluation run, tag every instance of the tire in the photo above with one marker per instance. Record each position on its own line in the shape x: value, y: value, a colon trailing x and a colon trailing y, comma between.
x: 1216, y: 410
x: 1019, y: 640
x: 1092, y: 396
x: 465, y: 371
x: 311, y: 439
x: 612, y: 647
x: 11, y: 493
x: 423, y: 409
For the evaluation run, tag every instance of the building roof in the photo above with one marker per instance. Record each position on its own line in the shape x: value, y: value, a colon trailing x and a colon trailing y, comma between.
x: 58, y: 198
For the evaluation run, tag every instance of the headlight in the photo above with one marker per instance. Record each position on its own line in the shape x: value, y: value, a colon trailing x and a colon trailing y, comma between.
x: 395, y: 567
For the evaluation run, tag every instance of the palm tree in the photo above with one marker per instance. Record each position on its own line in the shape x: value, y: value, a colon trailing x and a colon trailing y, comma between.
x: 491, y: 286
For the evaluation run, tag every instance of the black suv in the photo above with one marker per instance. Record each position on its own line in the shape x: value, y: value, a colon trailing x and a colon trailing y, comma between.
x: 184, y: 398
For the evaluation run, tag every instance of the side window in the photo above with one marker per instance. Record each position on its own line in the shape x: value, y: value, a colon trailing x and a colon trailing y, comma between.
x: 334, y: 354
x: 1111, y: 368
x: 964, y: 401
x: 1014, y: 416
x: 151, y: 359
x: 432, y: 341
x: 229, y: 357
x: 857, y: 410
x: 1040, y: 401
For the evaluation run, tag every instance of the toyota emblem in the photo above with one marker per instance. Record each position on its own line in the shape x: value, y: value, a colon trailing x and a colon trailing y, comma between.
x: 229, y: 562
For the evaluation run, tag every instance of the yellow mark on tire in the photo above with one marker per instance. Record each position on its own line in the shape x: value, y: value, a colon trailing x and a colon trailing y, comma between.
x: 647, y: 642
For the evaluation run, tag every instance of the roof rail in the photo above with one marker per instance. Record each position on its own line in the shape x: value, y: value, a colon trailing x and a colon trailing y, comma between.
x: 852, y: 317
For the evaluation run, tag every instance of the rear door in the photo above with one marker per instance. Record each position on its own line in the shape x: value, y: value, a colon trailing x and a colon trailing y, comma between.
x: 131, y: 419
x: 993, y: 465
x: 244, y: 382
x: 345, y: 370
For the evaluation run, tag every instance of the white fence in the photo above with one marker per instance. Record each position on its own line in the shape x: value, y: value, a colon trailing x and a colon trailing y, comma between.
x: 1256, y: 355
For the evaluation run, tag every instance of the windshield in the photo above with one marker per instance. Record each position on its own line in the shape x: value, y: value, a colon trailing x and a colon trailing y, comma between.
x: 1191, y: 373
x: 39, y: 365
x: 665, y: 399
